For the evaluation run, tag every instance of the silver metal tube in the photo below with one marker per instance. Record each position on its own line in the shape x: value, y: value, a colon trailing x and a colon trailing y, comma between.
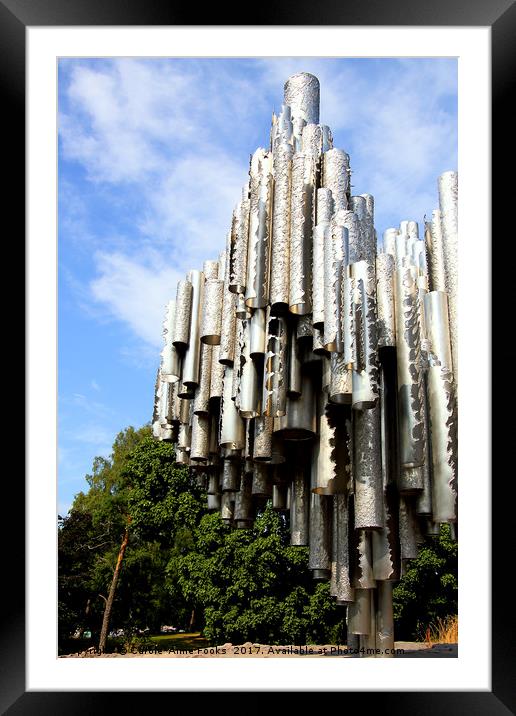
x: 211, y: 322
x: 257, y: 332
x: 201, y: 404
x: 367, y: 464
x: 239, y: 244
x: 384, y: 620
x: 192, y: 355
x: 335, y: 176
x: 299, y: 422
x: 231, y: 476
x: 331, y: 462
x: 170, y: 358
x: 300, y: 506
x: 262, y: 483
x: 302, y: 212
x: 199, y: 450
x: 385, y: 300
x: 412, y: 438
x: 280, y: 251
x: 243, y: 502
x: 442, y: 409
x: 341, y: 390
x: 262, y: 447
x: 295, y: 361
x: 274, y: 398
x: 435, y: 248
x: 359, y: 612
x: 334, y: 256
x: 365, y: 373
x: 248, y: 398
x: 232, y: 428
x: 181, y: 331
x: 321, y: 233
x: 448, y: 204
x: 340, y: 580
x: 301, y: 94
x: 260, y: 222
x: 217, y: 374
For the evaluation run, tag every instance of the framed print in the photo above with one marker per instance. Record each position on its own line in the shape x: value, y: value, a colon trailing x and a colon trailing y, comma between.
x: 306, y: 305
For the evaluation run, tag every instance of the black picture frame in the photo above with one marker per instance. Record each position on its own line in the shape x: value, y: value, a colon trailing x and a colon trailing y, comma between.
x: 500, y: 16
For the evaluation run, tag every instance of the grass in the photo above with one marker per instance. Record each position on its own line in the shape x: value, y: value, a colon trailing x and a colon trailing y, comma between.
x: 443, y: 631
x: 180, y: 641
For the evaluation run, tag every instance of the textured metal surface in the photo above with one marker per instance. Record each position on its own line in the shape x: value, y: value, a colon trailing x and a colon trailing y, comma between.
x: 257, y: 332
x: 407, y: 528
x: 341, y: 378
x: 301, y: 93
x: 325, y: 206
x: 340, y: 580
x: 412, y: 439
x: 230, y: 475
x: 239, y: 244
x: 232, y: 427
x: 262, y: 448
x: 435, y: 248
x: 331, y: 462
x: 210, y: 269
x: 274, y: 400
x: 295, y: 362
x: 365, y: 373
x: 201, y: 403
x: 299, y: 422
x: 442, y: 410
x: 304, y: 328
x: 260, y: 224
x: 262, y: 482
x: 227, y: 507
x: 228, y: 329
x: 389, y: 241
x: 448, y: 204
x: 367, y: 464
x: 192, y: 356
x: 385, y: 300
x: 312, y: 140
x: 243, y: 499
x: 183, y: 310
x: 302, y: 211
x: 319, y: 557
x: 300, y: 506
x: 384, y: 620
x: 359, y: 612
x: 199, y: 449
x: 334, y: 256
x: 217, y: 374
x: 247, y: 398
x: 170, y: 358
x: 280, y: 251
x: 335, y: 176
x: 211, y: 322
x: 320, y: 237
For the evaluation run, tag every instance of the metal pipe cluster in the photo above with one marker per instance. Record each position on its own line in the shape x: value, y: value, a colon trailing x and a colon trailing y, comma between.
x: 309, y: 367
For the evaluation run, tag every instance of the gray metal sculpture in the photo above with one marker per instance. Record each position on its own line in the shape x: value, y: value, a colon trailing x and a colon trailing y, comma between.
x: 311, y: 367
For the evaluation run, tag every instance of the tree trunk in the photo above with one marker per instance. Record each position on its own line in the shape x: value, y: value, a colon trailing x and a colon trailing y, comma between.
x: 111, y: 595
x: 192, y: 620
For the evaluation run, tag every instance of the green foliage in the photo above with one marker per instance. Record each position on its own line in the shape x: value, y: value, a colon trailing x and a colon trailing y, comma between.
x: 182, y: 563
x: 428, y: 590
x: 253, y: 586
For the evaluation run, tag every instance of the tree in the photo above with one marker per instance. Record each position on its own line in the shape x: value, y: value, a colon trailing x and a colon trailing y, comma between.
x: 252, y: 585
x: 428, y: 589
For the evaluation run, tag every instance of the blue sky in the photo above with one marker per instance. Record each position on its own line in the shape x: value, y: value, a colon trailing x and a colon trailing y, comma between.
x: 152, y: 157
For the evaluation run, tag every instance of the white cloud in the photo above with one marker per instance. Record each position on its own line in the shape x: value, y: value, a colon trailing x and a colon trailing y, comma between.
x: 135, y: 292
x: 163, y: 128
